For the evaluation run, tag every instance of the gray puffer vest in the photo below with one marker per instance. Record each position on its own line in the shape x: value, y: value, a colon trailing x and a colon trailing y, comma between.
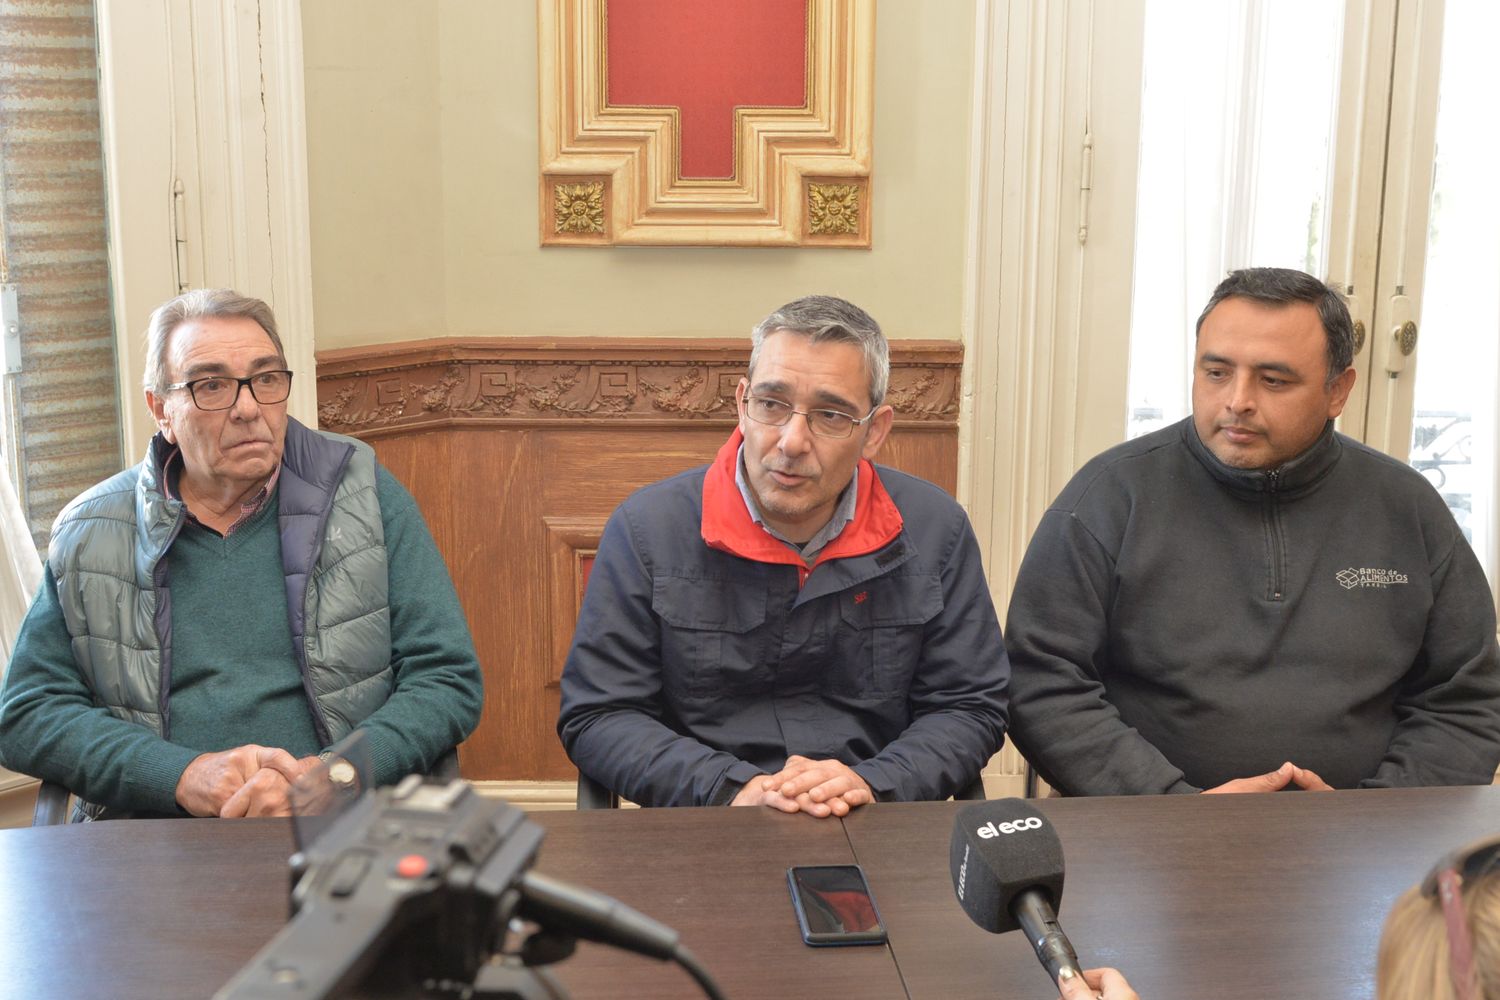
x: 113, y: 583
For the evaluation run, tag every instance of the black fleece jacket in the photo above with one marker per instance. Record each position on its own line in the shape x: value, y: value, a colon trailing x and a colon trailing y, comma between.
x: 1178, y: 623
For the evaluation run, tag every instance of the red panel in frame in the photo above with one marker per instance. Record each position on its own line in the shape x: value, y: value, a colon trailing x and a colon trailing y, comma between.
x: 610, y: 173
x: 709, y: 61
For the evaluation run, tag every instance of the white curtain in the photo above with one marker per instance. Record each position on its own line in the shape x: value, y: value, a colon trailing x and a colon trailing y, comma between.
x: 1233, y: 170
x: 20, y: 569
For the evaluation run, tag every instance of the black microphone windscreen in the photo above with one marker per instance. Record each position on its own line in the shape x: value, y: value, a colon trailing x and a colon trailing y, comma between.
x: 1000, y: 849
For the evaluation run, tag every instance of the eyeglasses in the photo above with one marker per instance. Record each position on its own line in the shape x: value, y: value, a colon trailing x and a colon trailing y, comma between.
x: 1445, y: 882
x: 824, y: 423
x: 220, y: 392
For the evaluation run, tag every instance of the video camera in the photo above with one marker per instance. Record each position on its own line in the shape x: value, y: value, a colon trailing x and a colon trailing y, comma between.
x: 408, y: 891
x: 412, y: 890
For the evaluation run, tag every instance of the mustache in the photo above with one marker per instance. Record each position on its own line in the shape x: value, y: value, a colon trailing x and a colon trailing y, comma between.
x: 790, y: 470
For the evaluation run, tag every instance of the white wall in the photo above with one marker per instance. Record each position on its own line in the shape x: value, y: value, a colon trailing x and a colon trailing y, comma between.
x: 423, y: 161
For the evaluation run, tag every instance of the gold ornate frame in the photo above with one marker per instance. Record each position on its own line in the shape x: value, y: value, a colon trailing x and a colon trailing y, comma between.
x: 802, y: 175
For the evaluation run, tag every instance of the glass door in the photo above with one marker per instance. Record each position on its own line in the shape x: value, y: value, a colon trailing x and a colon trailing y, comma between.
x: 1453, y: 412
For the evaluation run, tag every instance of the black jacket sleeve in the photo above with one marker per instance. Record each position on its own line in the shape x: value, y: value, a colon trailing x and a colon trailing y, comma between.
x: 1448, y: 709
x: 1057, y: 633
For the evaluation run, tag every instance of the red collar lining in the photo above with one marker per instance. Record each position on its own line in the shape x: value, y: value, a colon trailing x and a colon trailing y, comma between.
x: 728, y: 526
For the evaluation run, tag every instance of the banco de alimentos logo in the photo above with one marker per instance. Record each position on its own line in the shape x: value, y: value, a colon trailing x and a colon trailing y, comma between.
x: 1352, y: 578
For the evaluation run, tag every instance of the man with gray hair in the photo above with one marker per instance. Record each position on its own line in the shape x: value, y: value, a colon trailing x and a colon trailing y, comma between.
x: 214, y: 618
x: 789, y: 626
x: 1248, y: 601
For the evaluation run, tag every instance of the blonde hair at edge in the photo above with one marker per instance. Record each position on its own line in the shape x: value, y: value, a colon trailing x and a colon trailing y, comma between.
x: 1413, y: 962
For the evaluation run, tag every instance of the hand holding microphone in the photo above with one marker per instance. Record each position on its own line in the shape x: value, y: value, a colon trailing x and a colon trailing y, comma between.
x: 1097, y: 984
x: 1007, y: 866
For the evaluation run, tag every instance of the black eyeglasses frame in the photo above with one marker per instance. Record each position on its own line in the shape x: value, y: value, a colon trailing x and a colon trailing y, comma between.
x: 248, y: 382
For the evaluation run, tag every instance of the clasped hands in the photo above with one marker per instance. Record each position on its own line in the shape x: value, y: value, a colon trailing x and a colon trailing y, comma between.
x: 250, y: 780
x: 817, y: 787
x: 1275, y: 781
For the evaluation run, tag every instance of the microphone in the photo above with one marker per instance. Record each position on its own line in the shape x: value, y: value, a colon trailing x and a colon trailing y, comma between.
x: 593, y: 916
x: 1007, y: 866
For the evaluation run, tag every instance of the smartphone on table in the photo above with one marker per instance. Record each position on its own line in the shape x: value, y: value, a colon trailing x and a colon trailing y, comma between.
x: 834, y: 905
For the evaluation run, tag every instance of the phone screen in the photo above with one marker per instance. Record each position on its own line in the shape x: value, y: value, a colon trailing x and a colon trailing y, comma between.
x: 834, y: 905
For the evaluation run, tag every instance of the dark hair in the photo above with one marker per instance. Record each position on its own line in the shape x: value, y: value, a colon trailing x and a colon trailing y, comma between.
x: 825, y: 318
x: 1281, y: 286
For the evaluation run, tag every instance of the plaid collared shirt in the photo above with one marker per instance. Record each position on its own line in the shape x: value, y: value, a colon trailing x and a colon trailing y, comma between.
x: 173, y: 470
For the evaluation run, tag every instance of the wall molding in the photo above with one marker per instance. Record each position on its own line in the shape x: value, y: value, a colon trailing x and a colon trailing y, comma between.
x: 532, y: 796
x: 562, y: 382
x: 572, y: 543
x: 609, y: 175
x: 288, y: 208
x: 1050, y: 156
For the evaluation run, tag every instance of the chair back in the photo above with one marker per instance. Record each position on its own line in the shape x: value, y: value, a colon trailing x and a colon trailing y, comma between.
x: 594, y: 795
x: 973, y: 791
x: 52, y: 802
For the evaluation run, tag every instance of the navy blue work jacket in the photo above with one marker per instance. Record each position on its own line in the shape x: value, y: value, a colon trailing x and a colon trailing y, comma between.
x: 711, y: 656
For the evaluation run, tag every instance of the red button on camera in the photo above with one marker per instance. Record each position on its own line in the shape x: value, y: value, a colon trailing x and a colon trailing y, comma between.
x: 412, y: 866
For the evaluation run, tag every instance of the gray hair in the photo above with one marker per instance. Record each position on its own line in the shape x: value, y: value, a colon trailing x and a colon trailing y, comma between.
x: 1281, y: 286
x: 200, y: 303
x: 823, y: 318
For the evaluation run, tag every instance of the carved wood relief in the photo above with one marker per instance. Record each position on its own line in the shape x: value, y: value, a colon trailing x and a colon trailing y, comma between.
x: 435, y: 383
x: 518, y: 450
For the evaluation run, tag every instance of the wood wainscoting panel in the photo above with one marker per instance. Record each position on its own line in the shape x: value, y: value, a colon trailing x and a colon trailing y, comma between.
x: 928, y: 452
x: 500, y: 571
x: 421, y: 462
x: 571, y: 545
x: 517, y: 451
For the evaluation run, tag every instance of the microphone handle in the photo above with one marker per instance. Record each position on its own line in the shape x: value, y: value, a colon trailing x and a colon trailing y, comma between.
x: 1033, y: 911
x: 593, y: 916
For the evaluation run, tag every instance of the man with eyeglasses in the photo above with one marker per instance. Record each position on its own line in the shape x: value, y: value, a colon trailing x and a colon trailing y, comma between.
x: 789, y: 626
x: 213, y: 619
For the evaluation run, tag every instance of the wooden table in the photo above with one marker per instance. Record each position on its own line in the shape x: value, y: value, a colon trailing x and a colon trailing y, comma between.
x: 719, y: 878
x: 1234, y: 896
x: 1255, y: 896
x: 173, y: 908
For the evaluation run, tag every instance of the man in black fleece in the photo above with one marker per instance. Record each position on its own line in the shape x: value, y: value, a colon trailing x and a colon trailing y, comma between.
x: 1247, y: 600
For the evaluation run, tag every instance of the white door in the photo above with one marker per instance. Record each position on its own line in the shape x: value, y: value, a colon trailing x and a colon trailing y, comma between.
x: 206, y: 170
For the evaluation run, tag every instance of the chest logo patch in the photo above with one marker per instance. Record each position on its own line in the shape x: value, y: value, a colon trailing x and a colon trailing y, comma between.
x: 1351, y: 578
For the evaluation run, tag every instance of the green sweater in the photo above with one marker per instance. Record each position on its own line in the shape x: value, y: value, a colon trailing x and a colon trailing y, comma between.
x: 235, y: 678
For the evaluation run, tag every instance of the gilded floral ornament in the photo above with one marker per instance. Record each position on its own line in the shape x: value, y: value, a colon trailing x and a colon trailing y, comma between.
x: 833, y: 209
x: 579, y: 208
